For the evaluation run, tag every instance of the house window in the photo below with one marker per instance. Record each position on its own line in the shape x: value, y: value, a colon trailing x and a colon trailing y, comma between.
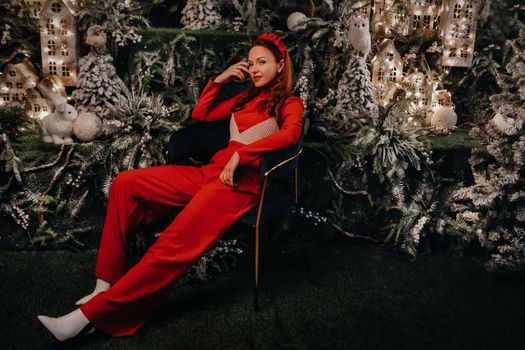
x: 424, y: 101
x: 417, y: 19
x: 418, y: 80
x: 64, y: 27
x: 455, y: 30
x: 390, y: 56
x: 19, y: 85
x: 5, y: 96
x: 35, y: 9
x: 441, y: 101
x: 393, y: 75
x: 435, y: 25
x: 52, y: 68
x: 468, y: 11
x: 464, y: 52
x: 56, y: 8
x: 65, y: 70
x: 9, y: 85
x: 453, y: 52
x: 466, y: 33
x: 457, y: 11
x: 421, y: 90
x: 12, y: 73
x: 426, y: 22
x: 50, y: 26
x: 44, y: 108
x: 16, y: 96
x: 52, y: 47
x: 64, y: 49
x: 36, y: 107
x: 380, y: 74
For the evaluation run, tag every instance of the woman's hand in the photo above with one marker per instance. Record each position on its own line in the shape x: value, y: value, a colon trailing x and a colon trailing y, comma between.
x: 234, y: 71
x: 228, y: 172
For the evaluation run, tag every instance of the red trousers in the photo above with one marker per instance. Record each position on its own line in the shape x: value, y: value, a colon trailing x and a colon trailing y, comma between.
x: 142, y: 195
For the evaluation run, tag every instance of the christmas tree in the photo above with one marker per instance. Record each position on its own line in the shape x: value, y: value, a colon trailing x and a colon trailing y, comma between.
x: 492, y: 210
x: 99, y: 86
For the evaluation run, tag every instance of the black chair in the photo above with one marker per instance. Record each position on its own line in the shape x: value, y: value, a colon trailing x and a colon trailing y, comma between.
x: 272, y: 204
x: 201, y: 140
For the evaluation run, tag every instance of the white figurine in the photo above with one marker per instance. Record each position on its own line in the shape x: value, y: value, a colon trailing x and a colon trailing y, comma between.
x: 57, y: 127
x: 359, y: 35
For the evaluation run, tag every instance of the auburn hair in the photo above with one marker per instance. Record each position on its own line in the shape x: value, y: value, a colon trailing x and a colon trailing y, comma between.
x: 281, y: 86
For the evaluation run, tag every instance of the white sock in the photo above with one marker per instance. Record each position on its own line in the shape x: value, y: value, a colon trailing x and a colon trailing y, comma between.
x: 65, y: 327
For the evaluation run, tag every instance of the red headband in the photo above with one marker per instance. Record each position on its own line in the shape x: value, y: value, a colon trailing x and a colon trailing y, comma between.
x: 276, y: 41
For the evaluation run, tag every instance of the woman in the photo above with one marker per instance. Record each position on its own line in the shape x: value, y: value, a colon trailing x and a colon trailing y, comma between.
x: 264, y: 117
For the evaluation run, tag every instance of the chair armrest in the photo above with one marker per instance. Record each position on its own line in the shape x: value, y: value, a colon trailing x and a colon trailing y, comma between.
x: 281, y: 165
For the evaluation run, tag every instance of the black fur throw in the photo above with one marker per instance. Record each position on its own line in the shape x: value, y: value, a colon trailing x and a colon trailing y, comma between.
x: 197, y: 143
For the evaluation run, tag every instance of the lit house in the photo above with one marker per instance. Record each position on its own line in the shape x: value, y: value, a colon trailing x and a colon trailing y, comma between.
x: 387, y: 71
x: 458, y: 30
x: 36, y: 105
x: 58, y: 41
x: 14, y: 82
x: 34, y: 7
x: 422, y: 89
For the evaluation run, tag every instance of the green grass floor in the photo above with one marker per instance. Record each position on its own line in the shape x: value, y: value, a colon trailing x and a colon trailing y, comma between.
x: 352, y: 297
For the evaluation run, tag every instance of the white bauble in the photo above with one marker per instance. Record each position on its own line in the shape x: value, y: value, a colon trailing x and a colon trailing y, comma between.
x: 86, y: 126
x: 295, y: 21
x: 444, y: 119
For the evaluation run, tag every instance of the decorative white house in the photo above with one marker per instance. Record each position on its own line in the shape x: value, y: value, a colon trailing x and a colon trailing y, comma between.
x: 423, y: 89
x: 388, y: 14
x: 425, y: 15
x: 441, y: 98
x: 35, y: 6
x: 387, y: 71
x: 15, y: 80
x: 36, y: 106
x: 362, y: 9
x: 58, y: 41
x: 458, y: 30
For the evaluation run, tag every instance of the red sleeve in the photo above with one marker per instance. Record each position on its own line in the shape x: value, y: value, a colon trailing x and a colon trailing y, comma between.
x: 206, y: 111
x: 288, y: 134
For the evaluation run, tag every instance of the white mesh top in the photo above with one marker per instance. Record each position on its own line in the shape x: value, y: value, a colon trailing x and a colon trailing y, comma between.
x: 254, y: 133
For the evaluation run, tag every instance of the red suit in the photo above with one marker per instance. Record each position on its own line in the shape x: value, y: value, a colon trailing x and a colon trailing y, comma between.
x: 210, y: 207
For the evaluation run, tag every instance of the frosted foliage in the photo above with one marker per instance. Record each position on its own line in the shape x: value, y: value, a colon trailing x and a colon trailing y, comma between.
x: 355, y: 97
x: 99, y: 86
x: 497, y: 198
x: 201, y: 14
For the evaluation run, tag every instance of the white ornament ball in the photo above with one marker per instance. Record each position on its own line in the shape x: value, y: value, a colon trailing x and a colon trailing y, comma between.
x: 86, y: 126
x: 444, y: 119
x: 295, y: 20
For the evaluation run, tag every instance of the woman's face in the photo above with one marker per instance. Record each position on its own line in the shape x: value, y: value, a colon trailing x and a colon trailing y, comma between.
x: 263, y: 66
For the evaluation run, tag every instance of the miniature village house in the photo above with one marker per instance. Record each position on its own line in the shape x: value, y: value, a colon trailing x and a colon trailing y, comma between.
x: 458, y: 27
x: 425, y: 15
x: 387, y: 71
x: 388, y: 14
x: 362, y: 9
x: 35, y: 6
x: 14, y: 82
x: 36, y: 106
x: 58, y: 41
x: 422, y: 92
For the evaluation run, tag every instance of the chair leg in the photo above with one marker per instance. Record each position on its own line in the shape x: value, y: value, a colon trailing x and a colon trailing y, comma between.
x: 256, y: 287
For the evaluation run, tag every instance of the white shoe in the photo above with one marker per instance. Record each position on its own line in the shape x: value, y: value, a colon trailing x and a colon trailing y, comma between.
x: 67, y: 326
